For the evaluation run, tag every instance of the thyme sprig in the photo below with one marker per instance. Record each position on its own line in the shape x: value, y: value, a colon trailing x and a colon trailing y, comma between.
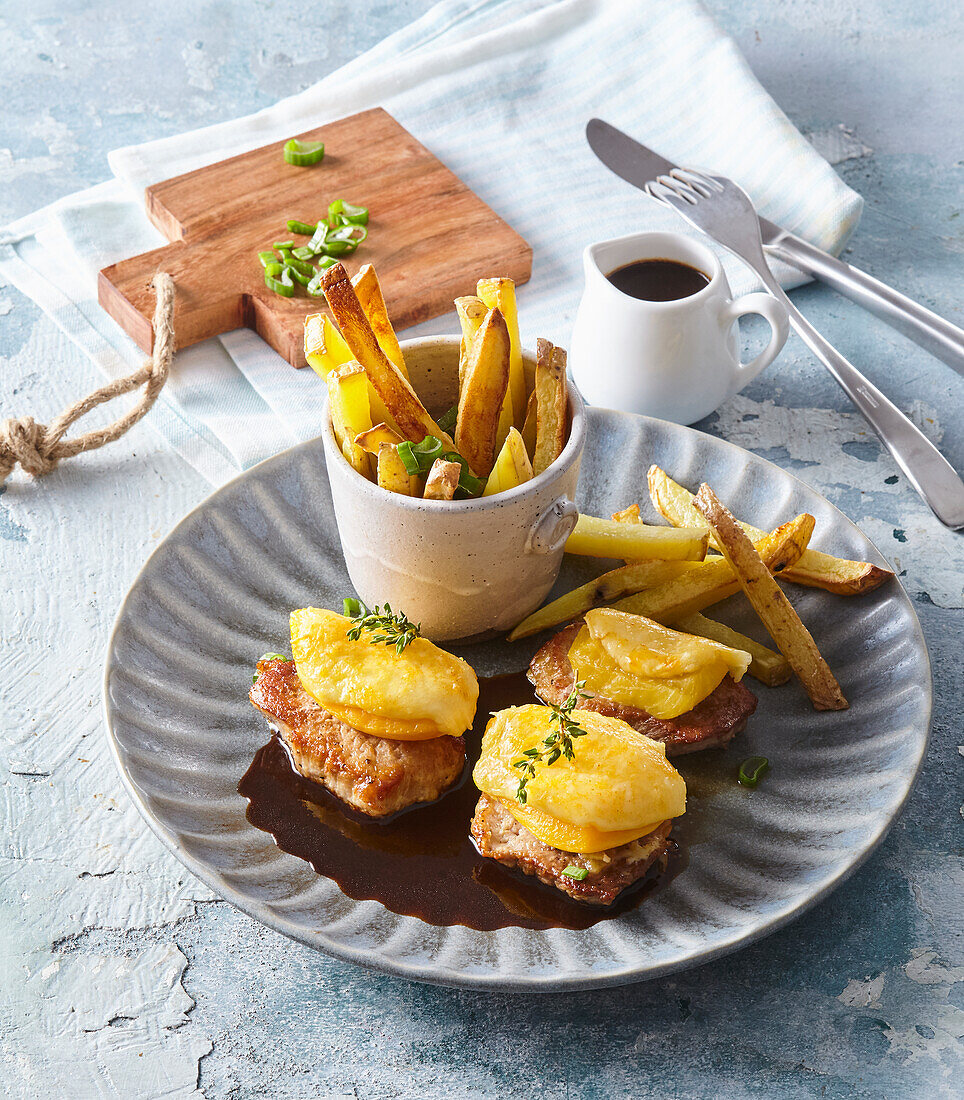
x: 386, y: 627
x: 558, y: 742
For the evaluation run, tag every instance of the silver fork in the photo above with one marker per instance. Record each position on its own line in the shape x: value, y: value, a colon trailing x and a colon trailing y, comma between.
x: 723, y: 211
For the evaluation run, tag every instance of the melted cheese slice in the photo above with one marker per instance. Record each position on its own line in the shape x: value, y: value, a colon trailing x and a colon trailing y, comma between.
x: 583, y: 839
x: 635, y: 661
x: 422, y: 692
x: 618, y: 786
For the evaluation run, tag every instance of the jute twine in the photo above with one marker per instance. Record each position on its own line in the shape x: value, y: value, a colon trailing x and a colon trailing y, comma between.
x: 39, y: 447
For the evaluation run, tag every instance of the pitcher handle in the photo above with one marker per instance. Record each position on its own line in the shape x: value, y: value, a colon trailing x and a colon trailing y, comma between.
x: 775, y: 314
x: 550, y: 531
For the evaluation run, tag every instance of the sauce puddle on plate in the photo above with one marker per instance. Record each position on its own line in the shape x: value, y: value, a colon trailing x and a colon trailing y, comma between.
x: 421, y: 862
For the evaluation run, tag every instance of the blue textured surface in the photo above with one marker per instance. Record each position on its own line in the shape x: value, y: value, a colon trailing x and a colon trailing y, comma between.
x: 861, y: 997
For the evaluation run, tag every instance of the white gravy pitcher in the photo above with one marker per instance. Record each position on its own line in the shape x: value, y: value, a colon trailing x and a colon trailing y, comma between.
x: 677, y: 360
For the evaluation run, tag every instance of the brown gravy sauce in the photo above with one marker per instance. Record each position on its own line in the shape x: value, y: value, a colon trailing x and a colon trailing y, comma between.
x: 421, y: 862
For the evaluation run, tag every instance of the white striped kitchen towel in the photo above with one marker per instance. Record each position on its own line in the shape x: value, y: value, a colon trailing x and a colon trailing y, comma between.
x: 500, y: 90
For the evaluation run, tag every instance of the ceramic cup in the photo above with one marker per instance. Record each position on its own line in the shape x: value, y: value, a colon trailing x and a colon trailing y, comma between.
x: 675, y: 360
x: 463, y: 569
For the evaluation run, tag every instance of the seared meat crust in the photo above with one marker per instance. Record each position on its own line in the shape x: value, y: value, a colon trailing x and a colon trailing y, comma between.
x: 375, y: 775
x: 499, y: 836
x: 709, y: 725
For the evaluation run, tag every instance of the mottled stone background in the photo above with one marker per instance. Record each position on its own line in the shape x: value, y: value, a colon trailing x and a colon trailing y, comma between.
x: 119, y: 975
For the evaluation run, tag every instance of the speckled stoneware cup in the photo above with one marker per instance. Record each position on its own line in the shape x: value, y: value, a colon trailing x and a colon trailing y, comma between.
x: 463, y: 569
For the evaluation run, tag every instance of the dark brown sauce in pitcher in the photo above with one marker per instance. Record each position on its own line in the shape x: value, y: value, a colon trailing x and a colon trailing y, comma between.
x: 421, y: 862
x: 658, y: 280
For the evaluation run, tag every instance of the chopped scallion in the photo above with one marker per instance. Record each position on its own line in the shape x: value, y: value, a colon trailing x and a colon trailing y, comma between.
x: 282, y: 244
x: 346, y: 211
x: 352, y: 608
x: 277, y: 277
x: 578, y: 873
x: 449, y: 420
x: 304, y: 228
x: 407, y: 455
x: 303, y: 153
x: 753, y: 770
x: 267, y: 258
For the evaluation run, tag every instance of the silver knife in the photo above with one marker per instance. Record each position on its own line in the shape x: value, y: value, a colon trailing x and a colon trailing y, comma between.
x: 638, y: 165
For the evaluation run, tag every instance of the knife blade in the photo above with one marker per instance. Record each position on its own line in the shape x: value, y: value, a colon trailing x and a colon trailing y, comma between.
x: 637, y: 164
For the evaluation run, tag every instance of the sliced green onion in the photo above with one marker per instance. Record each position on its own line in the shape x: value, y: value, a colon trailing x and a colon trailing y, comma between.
x: 449, y: 420
x: 303, y: 252
x: 753, y: 770
x: 267, y: 258
x: 317, y: 242
x: 339, y: 209
x: 352, y: 608
x: 407, y: 455
x: 282, y: 244
x: 304, y: 228
x: 298, y: 276
x: 469, y: 484
x: 578, y: 873
x: 277, y: 277
x: 300, y: 266
x: 347, y: 233
x: 427, y: 452
x: 303, y: 153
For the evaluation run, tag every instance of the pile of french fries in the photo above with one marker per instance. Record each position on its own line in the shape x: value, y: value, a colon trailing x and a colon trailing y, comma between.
x: 671, y: 575
x: 501, y: 434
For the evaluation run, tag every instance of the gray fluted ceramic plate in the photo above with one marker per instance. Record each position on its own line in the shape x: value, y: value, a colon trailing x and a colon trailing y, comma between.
x: 217, y: 592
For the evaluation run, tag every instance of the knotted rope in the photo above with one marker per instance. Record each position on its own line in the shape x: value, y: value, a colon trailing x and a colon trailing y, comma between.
x: 39, y: 447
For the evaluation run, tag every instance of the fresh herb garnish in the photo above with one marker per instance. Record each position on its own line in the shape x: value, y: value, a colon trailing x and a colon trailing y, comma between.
x: 752, y: 770
x: 556, y: 743
x: 386, y: 627
x: 269, y: 657
x: 417, y: 458
x: 578, y: 873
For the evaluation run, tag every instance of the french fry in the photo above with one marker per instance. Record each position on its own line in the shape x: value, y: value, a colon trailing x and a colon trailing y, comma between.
x: 392, y: 474
x: 613, y: 585
x: 629, y: 515
x: 369, y: 292
x: 325, y: 349
x: 551, y: 405
x: 766, y: 665
x: 372, y: 439
x: 500, y: 294
x: 529, y: 427
x: 409, y: 415
x: 771, y: 604
x: 606, y: 538
x: 511, y: 468
x: 482, y: 392
x: 350, y: 412
x: 442, y: 480
x: 814, y: 569
x: 707, y: 582
x: 472, y: 313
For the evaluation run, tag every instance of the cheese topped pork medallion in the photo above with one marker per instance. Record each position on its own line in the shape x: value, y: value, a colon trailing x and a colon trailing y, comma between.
x: 677, y: 688
x: 377, y: 722
x: 420, y: 693
x: 591, y: 823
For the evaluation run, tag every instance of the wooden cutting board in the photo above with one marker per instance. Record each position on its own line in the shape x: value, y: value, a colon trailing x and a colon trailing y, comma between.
x: 430, y: 238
